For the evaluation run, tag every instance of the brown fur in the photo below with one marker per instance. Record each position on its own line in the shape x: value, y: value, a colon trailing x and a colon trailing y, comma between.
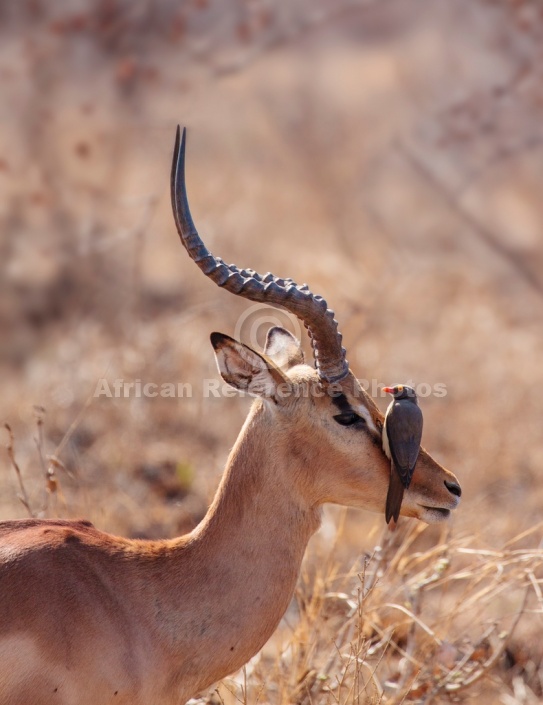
x: 87, y: 618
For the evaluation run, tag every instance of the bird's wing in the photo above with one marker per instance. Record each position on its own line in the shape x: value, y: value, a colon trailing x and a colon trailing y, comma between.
x: 404, y: 429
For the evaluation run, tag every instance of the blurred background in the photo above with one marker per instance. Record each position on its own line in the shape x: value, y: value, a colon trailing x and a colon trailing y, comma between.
x: 386, y: 152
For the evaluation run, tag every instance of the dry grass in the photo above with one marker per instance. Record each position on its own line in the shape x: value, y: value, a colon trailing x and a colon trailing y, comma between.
x: 409, y: 623
x: 386, y: 153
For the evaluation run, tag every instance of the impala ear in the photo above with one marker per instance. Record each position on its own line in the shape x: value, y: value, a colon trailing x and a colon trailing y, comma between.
x: 283, y: 348
x: 245, y: 369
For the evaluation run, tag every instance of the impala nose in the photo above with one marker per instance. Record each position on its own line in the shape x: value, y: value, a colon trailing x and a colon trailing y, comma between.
x: 454, y: 488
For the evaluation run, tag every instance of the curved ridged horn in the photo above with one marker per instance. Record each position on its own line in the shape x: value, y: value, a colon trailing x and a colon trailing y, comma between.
x: 310, y: 309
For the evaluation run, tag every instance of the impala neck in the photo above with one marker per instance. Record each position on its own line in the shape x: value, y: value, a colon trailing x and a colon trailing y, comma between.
x: 260, y: 488
x: 252, y: 540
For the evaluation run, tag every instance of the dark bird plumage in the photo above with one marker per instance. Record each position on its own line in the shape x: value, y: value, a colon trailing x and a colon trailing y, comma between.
x: 402, y: 434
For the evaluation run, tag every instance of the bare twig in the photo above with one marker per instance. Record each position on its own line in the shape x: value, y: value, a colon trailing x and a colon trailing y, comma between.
x: 75, y: 423
x: 484, y: 233
x: 23, y: 497
x: 48, y: 469
x: 290, y: 34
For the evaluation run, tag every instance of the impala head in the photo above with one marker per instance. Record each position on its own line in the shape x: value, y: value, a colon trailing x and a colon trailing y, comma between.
x: 329, y: 428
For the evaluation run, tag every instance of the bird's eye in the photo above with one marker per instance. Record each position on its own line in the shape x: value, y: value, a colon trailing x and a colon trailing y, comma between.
x: 348, y: 418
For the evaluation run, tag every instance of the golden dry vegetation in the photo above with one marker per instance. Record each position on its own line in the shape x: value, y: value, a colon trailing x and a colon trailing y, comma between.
x: 389, y: 154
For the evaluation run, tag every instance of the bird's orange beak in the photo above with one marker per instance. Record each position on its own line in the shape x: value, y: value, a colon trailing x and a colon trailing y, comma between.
x: 389, y: 390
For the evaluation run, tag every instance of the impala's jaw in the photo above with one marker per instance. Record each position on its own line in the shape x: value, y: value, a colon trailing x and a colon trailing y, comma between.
x: 433, y: 515
x: 428, y: 509
x: 434, y: 493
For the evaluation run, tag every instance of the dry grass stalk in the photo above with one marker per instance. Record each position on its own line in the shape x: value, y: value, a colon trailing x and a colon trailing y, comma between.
x: 10, y: 447
x: 415, y: 623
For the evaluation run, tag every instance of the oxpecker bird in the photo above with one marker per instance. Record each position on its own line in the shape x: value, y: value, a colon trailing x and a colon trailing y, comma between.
x: 402, y: 433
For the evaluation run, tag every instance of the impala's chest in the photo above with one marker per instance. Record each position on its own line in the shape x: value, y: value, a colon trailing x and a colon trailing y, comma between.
x: 215, y: 627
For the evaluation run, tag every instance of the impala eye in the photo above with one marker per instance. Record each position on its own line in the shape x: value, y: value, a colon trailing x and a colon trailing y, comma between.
x: 348, y: 418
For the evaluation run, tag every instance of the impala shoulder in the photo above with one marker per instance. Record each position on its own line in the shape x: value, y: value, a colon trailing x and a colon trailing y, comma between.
x: 35, y: 533
x: 40, y: 527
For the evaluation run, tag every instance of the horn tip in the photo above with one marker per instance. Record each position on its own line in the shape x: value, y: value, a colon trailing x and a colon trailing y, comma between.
x: 180, y: 139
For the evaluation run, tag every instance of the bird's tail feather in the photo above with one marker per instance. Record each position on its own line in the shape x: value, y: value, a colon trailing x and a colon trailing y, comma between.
x: 394, y: 496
